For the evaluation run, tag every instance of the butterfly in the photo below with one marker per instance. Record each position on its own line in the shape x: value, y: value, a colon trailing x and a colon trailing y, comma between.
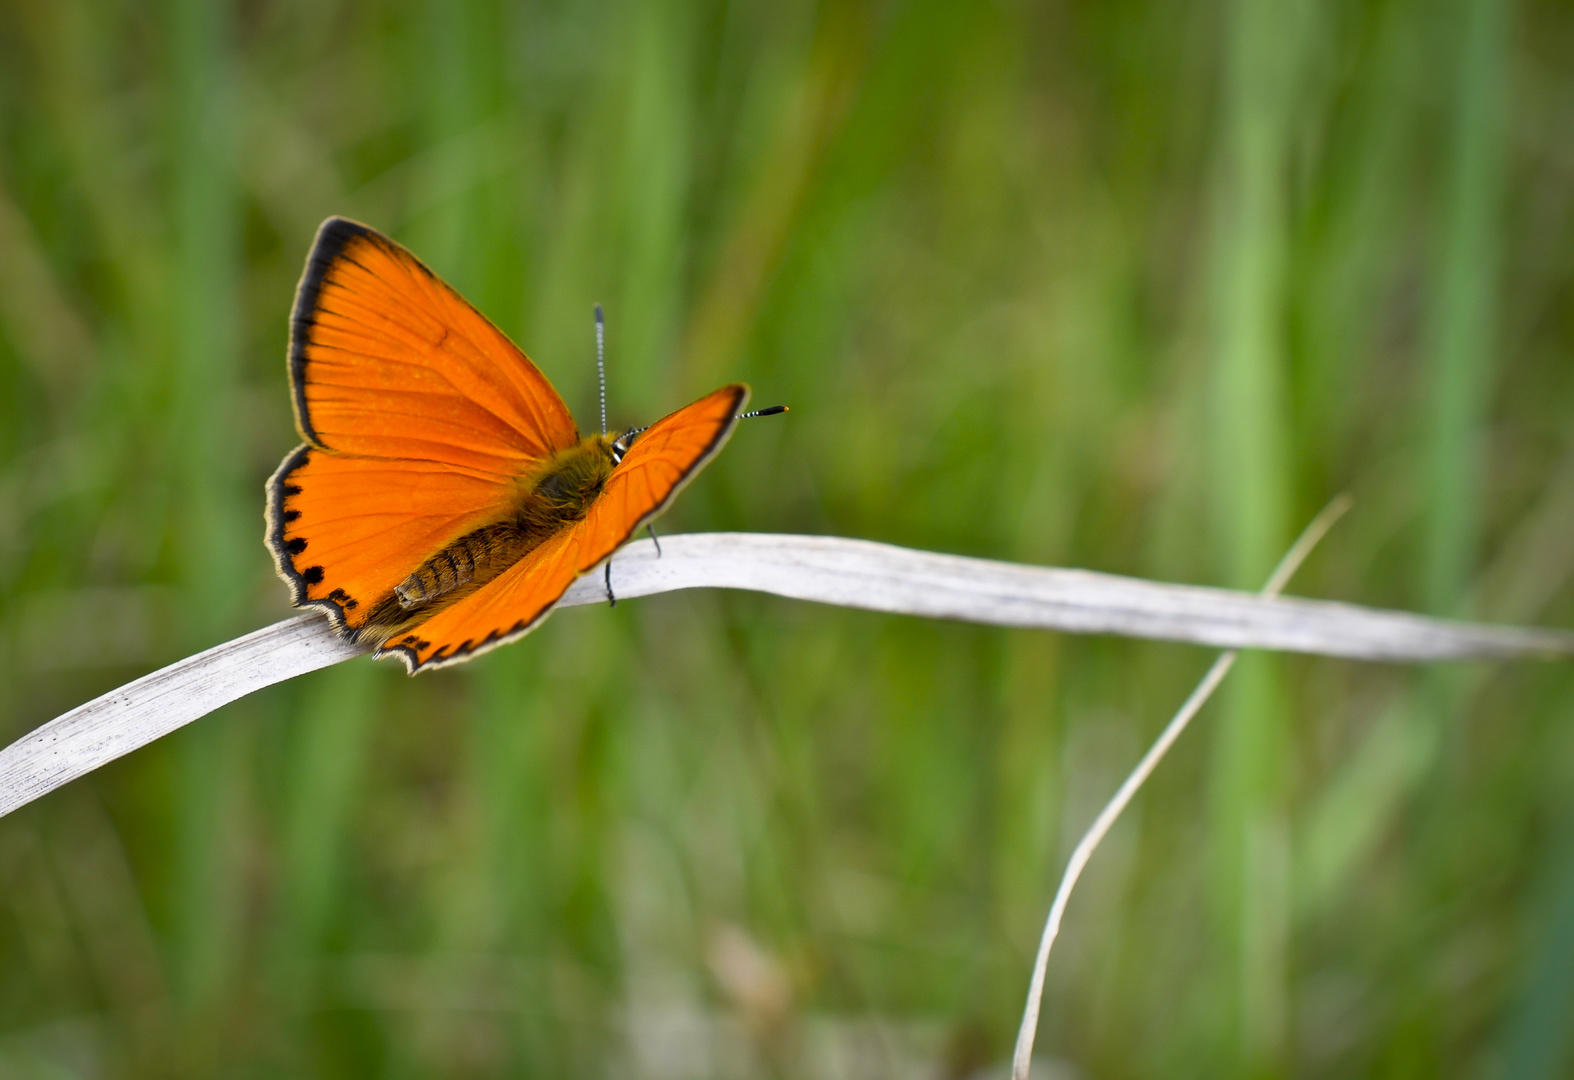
x: 443, y: 500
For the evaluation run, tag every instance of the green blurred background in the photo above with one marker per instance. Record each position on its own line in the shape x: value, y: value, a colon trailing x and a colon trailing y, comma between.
x: 1127, y: 285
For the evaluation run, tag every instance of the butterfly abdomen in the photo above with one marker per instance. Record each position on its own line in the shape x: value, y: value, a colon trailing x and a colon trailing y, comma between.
x: 473, y: 559
x: 558, y: 494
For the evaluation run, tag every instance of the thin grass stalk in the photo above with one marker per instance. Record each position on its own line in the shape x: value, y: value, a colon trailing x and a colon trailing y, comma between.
x: 1022, y: 1058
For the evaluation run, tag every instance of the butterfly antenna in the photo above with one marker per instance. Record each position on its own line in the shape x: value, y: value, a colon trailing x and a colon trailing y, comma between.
x: 772, y: 411
x: 601, y: 366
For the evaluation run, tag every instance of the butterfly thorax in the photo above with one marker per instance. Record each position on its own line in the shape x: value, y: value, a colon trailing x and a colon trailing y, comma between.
x: 555, y: 494
x: 560, y: 490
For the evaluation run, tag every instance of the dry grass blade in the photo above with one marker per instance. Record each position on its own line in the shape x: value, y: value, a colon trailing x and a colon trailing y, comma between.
x: 881, y: 577
x: 151, y: 707
x: 831, y: 570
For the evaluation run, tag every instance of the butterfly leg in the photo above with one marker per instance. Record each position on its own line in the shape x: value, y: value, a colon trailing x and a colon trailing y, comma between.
x: 652, y: 530
x: 613, y: 600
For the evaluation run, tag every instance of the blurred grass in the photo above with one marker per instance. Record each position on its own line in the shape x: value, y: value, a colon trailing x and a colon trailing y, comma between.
x: 1132, y: 286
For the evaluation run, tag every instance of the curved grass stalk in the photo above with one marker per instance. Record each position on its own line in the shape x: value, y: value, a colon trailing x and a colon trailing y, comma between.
x: 1022, y: 1057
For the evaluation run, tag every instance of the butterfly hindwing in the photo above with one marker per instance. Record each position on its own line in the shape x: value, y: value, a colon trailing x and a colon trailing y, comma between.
x: 661, y: 460
x: 346, y: 529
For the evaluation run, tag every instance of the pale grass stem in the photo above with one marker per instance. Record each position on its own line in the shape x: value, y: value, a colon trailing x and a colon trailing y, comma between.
x: 1021, y: 1060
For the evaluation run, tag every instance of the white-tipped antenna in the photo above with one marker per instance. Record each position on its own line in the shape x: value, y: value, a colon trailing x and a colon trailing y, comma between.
x: 601, y: 366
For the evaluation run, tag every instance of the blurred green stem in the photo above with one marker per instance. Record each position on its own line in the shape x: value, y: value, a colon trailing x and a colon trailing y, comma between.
x: 208, y: 528
x: 1463, y: 312
x: 325, y: 766
x: 1252, y: 494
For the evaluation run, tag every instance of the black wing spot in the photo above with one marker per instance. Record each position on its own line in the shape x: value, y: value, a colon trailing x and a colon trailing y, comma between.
x: 292, y: 489
x: 291, y: 515
x: 350, y: 603
x: 295, y: 545
x: 312, y: 575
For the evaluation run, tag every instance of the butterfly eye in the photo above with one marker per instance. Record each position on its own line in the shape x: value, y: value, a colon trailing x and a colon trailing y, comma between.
x: 621, y: 445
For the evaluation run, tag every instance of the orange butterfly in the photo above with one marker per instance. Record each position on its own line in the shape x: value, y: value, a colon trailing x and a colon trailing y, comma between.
x: 443, y: 500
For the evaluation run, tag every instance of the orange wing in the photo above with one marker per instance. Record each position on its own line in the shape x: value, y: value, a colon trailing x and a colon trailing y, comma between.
x: 418, y: 416
x: 386, y: 360
x: 664, y: 458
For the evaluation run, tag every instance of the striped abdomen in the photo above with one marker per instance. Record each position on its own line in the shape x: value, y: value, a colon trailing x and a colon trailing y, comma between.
x: 475, y: 557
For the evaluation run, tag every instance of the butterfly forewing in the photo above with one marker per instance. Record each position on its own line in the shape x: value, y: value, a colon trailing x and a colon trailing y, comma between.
x: 656, y: 467
x: 507, y: 608
x: 663, y: 459
x: 386, y: 360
